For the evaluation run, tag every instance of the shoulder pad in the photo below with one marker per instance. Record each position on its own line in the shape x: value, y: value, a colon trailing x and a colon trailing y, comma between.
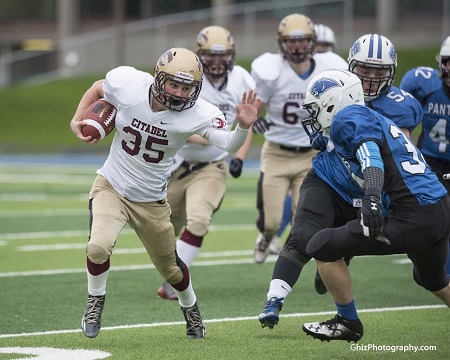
x: 331, y: 60
x: 267, y: 66
x: 125, y: 86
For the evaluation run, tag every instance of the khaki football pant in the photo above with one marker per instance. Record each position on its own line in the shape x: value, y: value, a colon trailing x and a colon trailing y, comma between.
x: 151, y: 221
x: 196, y: 197
x: 283, y: 171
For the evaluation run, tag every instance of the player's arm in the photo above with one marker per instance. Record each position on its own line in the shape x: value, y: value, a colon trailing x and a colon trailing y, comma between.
x: 92, y: 94
x: 197, y: 139
x: 246, y: 114
x: 370, y: 214
x: 237, y: 163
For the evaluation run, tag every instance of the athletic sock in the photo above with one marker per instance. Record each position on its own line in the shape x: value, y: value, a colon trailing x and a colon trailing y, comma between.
x: 347, y: 311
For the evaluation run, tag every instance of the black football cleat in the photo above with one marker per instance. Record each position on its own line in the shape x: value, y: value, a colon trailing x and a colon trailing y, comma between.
x: 319, y: 285
x: 337, y: 328
x: 195, y: 328
x: 91, y: 321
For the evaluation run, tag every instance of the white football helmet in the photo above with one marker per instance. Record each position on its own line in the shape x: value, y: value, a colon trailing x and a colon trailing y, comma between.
x: 326, y: 94
x: 296, y: 27
x: 325, y: 38
x: 183, y: 66
x: 216, y: 50
x: 442, y: 58
x: 373, y: 52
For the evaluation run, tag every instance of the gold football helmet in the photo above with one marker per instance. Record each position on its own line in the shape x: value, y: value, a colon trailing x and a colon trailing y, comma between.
x: 216, y: 50
x: 183, y: 66
x: 292, y: 30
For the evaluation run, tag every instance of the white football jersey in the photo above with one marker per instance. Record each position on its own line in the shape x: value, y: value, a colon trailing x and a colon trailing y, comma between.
x: 283, y: 92
x: 145, y: 142
x: 239, y: 80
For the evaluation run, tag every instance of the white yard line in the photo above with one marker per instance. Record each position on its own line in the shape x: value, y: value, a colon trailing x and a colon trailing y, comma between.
x: 244, y: 318
x: 76, y: 233
x: 271, y: 258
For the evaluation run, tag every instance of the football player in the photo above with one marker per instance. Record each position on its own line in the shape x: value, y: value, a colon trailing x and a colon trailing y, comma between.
x: 155, y: 117
x: 432, y: 88
x: 373, y: 59
x: 397, y: 177
x: 332, y: 192
x: 286, y: 154
x: 326, y: 41
x: 197, y: 187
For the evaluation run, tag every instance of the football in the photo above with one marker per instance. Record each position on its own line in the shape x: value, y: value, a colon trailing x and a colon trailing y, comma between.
x: 100, y: 117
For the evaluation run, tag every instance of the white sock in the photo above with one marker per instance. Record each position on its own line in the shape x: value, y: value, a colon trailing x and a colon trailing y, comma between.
x: 97, y: 284
x: 187, y: 252
x: 278, y: 288
x: 186, y: 298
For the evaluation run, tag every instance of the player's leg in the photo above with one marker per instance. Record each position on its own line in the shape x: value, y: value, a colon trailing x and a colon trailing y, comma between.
x: 317, y: 209
x: 152, y: 224
x: 106, y: 221
x: 204, y: 196
x: 176, y: 196
x: 277, y: 172
x: 328, y: 247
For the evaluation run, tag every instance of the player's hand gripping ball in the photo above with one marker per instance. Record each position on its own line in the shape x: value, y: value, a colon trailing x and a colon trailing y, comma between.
x: 100, y: 117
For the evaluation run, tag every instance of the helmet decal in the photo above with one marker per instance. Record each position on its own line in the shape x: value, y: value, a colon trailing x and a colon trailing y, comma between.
x: 166, y: 58
x: 322, y: 85
x: 393, y: 54
x: 372, y: 51
x: 356, y: 48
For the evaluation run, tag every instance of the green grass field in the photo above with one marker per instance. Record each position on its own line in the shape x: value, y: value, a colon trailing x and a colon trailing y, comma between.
x: 43, y: 232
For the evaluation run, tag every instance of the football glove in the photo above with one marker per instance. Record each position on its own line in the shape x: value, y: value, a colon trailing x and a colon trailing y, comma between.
x: 371, y: 217
x: 236, y: 167
x: 261, y: 125
x: 319, y: 142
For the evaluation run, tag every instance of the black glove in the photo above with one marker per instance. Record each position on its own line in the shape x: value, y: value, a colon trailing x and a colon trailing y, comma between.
x: 236, y: 167
x: 261, y: 125
x: 371, y: 217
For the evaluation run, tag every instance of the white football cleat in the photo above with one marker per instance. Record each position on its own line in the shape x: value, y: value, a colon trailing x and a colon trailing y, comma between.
x: 261, y: 249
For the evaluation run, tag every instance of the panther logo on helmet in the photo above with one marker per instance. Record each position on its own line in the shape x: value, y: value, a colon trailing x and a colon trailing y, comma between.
x: 356, y: 48
x: 322, y: 85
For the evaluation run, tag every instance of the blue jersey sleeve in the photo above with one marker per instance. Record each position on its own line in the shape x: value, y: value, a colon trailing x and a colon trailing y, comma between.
x: 420, y: 82
x: 368, y: 154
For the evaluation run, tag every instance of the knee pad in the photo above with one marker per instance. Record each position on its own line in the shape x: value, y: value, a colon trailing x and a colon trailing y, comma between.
x: 294, y: 256
x: 319, y: 249
x: 96, y: 253
x: 430, y: 284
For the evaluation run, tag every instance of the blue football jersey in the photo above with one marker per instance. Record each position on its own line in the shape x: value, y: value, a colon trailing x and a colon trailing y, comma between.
x: 407, y: 177
x: 425, y: 84
x: 346, y: 177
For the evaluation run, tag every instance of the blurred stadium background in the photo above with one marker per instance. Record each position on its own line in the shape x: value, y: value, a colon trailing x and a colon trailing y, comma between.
x: 49, y: 39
